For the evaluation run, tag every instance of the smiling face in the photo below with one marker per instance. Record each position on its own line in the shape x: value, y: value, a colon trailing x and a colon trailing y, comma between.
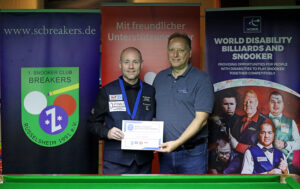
x: 250, y: 104
x: 131, y: 65
x: 266, y: 134
x: 276, y: 105
x: 179, y: 53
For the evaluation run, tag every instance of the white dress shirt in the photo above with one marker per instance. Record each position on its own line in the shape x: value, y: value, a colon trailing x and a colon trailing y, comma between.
x: 248, y: 163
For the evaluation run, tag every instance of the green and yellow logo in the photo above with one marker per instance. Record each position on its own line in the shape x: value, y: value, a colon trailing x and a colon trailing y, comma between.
x: 50, y: 104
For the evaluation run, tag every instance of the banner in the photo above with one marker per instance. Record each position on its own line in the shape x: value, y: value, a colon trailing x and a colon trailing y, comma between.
x: 49, y: 81
x: 252, y: 58
x: 146, y: 28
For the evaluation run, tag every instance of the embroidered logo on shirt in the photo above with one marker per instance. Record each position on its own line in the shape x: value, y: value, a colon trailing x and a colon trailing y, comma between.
x: 259, y: 159
x: 117, y: 106
x: 147, y: 106
x: 116, y: 97
x: 285, y: 128
x: 182, y: 90
x: 146, y: 98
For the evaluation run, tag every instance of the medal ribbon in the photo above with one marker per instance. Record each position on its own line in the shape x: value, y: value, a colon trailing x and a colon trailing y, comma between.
x: 137, y: 101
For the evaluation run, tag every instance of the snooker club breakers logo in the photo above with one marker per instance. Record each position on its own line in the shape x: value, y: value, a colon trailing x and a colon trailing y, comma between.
x: 50, y: 104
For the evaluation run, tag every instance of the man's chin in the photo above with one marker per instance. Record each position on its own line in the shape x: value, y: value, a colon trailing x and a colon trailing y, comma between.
x: 224, y: 160
x: 276, y: 113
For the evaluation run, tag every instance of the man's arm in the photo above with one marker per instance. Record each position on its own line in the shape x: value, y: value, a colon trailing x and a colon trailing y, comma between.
x: 290, y: 145
x: 196, y: 125
x: 294, y: 145
x: 248, y: 164
x: 238, y: 146
x: 97, y: 116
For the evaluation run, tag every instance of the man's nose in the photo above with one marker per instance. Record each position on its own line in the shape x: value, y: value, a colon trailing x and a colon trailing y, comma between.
x: 176, y: 53
x: 130, y: 64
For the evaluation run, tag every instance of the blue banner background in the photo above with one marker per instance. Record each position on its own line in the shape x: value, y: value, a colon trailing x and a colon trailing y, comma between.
x: 268, y: 71
x: 273, y: 23
x: 28, y: 41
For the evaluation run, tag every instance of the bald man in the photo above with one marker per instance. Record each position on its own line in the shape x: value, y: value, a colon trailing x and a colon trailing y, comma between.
x: 127, y: 98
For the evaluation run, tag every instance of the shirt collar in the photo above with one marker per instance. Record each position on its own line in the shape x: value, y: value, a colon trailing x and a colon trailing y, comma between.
x: 129, y: 86
x: 261, y: 146
x: 272, y: 116
x: 254, y: 118
x: 185, y: 73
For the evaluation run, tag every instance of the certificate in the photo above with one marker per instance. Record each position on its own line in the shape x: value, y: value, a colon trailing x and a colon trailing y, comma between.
x: 142, y: 135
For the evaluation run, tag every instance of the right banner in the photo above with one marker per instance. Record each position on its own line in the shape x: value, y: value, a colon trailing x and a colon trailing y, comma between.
x: 252, y: 56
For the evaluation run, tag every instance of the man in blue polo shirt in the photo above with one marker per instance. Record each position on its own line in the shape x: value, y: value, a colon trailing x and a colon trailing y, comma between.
x: 184, y: 98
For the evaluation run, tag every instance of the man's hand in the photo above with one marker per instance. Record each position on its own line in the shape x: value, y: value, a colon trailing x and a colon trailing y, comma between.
x: 233, y: 141
x: 274, y: 172
x: 168, y: 147
x: 279, y: 144
x: 283, y: 166
x: 115, y: 134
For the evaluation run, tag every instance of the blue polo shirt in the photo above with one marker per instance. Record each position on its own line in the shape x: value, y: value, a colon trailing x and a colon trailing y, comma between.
x: 177, y: 100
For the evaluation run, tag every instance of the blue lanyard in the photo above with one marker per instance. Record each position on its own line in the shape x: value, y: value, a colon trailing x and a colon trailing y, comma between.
x: 137, y: 101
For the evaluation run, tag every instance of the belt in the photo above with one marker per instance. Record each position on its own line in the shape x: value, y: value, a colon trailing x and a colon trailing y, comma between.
x: 191, y: 145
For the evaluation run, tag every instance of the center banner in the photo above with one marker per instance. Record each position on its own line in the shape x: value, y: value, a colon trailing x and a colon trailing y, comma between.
x: 146, y: 28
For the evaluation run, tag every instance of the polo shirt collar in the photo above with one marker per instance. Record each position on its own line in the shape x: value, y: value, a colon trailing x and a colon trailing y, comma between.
x: 185, y: 73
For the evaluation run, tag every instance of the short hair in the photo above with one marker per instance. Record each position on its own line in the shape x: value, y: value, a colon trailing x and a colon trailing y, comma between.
x: 275, y: 93
x: 229, y: 94
x: 268, y: 121
x: 131, y: 48
x: 182, y: 36
x: 251, y: 92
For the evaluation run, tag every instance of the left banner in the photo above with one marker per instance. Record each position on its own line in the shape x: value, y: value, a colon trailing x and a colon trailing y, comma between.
x: 50, y: 65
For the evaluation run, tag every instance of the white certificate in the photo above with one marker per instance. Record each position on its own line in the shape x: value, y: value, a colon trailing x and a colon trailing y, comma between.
x: 142, y: 135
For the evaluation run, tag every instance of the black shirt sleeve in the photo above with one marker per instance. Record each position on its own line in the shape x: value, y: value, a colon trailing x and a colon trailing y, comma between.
x: 97, y: 116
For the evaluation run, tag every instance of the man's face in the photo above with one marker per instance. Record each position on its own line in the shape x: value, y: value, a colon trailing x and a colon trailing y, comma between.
x: 229, y: 105
x: 179, y: 53
x: 224, y: 153
x: 130, y: 65
x: 276, y: 105
x: 250, y: 104
x: 266, y: 135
